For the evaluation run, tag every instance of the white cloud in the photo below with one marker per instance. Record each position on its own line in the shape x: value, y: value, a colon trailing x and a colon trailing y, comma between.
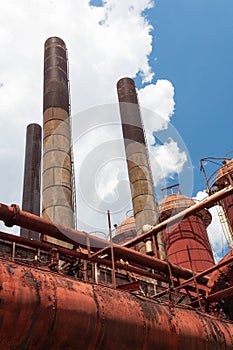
x: 158, y: 98
x: 166, y: 160
x: 104, y: 44
x: 215, y: 230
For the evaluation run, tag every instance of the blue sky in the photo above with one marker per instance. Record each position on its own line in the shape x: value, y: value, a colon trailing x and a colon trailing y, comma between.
x: 193, y: 48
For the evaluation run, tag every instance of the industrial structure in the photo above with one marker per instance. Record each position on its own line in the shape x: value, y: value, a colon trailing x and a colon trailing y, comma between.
x: 153, y: 285
x: 145, y: 206
x: 187, y: 243
x: 57, y: 194
x: 32, y: 176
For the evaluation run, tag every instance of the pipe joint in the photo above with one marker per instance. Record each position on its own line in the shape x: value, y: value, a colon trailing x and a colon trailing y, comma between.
x: 15, y: 213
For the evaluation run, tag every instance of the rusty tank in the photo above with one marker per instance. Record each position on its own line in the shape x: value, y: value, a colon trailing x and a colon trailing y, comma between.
x: 187, y: 243
x: 63, y: 313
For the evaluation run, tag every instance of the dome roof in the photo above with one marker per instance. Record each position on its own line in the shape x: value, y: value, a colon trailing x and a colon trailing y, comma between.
x: 126, y: 225
x: 174, y: 203
x: 227, y: 168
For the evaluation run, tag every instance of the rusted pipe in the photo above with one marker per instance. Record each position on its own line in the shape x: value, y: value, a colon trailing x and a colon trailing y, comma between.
x: 206, y: 203
x: 41, y: 245
x: 200, y: 274
x: 12, y: 215
x: 51, y: 311
x: 221, y: 294
x: 80, y: 255
x: 140, y: 259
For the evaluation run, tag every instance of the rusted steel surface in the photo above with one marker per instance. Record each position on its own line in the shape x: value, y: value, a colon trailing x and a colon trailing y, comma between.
x: 142, y: 189
x: 32, y: 172
x: 220, y: 285
x: 189, y: 235
x: 55, y: 73
x: 144, y: 260
x: 223, y: 275
x: 221, y: 294
x: 43, y: 310
x: 189, y: 232
x: 42, y: 245
x: 224, y: 262
x: 130, y: 286
x: 81, y: 255
x: 130, y: 113
x: 57, y: 196
x: 206, y: 203
x: 13, y: 216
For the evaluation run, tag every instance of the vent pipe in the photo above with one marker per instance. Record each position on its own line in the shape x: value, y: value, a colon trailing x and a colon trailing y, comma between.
x: 32, y: 173
x: 57, y: 165
x: 145, y: 207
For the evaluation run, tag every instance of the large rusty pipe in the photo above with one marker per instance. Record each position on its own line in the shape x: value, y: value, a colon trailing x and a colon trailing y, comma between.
x: 57, y: 165
x: 51, y: 311
x: 32, y: 173
x: 11, y: 215
x: 206, y: 203
x: 142, y: 189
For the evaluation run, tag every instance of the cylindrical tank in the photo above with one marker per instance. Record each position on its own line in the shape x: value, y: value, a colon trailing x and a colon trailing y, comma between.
x: 125, y: 231
x: 45, y: 310
x: 142, y: 190
x: 57, y: 168
x: 32, y: 174
x: 225, y: 178
x: 189, y: 232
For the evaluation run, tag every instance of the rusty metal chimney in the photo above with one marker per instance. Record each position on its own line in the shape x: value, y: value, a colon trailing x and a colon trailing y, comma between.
x: 142, y: 190
x: 57, y: 164
x: 32, y: 173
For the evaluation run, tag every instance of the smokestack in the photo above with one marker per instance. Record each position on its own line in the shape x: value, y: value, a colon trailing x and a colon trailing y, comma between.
x: 142, y: 190
x: 57, y: 165
x: 32, y: 173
